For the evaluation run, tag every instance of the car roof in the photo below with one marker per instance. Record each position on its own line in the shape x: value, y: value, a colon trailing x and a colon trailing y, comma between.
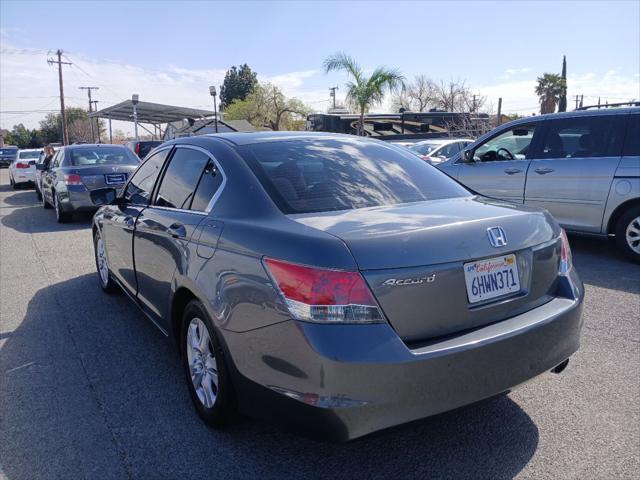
x: 573, y: 114
x: 247, y: 138
x: 442, y: 141
x: 96, y: 145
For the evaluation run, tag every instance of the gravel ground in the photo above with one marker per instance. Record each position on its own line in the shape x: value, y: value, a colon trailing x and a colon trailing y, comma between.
x: 89, y: 388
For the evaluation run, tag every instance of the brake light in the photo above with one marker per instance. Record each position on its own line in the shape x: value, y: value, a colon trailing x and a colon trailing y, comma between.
x: 323, y: 295
x: 566, y: 260
x: 22, y: 165
x: 426, y: 158
x: 73, y: 179
x: 138, y: 149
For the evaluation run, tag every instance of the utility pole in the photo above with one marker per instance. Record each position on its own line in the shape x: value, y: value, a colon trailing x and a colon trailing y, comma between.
x: 473, y: 108
x: 95, y: 109
x: 88, y: 89
x: 499, y: 111
x: 577, y: 101
x: 50, y: 61
x: 333, y: 95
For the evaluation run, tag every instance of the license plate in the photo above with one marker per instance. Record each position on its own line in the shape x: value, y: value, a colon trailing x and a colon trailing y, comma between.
x: 491, y: 278
x: 115, y: 178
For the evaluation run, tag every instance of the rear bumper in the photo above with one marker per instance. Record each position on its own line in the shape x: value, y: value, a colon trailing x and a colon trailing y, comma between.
x: 340, y: 382
x: 77, y: 199
x: 23, y: 176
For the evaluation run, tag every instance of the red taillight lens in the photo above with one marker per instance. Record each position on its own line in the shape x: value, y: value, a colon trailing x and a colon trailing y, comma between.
x: 426, y: 158
x: 566, y: 260
x: 138, y: 149
x: 322, y: 295
x: 22, y: 165
x: 72, y: 179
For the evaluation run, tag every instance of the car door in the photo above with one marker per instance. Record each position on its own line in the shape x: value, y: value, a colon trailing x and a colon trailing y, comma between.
x: 498, y: 166
x: 571, y: 177
x: 48, y: 176
x: 119, y: 219
x: 164, y: 229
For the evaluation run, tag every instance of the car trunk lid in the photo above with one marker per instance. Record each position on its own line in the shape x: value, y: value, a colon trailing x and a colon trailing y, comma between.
x: 103, y: 176
x: 413, y: 258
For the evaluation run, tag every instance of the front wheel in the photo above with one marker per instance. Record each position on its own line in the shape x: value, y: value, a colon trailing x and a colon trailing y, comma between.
x: 102, y: 265
x: 205, y: 368
x: 628, y: 234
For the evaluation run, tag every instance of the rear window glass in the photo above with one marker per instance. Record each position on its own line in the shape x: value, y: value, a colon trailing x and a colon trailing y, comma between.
x: 8, y: 151
x: 146, y: 147
x: 31, y: 155
x: 632, y: 139
x: 341, y: 174
x: 425, y: 148
x: 84, y: 156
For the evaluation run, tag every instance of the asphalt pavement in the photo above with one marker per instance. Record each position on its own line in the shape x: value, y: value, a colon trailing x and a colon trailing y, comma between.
x: 90, y: 389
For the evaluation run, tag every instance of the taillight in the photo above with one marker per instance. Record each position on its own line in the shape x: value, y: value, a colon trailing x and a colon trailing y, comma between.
x: 138, y: 149
x: 73, y: 179
x: 22, y: 165
x: 426, y: 158
x: 322, y: 295
x: 566, y: 261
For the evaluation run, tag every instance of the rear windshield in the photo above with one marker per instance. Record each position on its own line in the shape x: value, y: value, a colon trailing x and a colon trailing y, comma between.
x: 8, y: 151
x: 424, y: 148
x: 32, y: 154
x: 320, y: 175
x: 84, y: 156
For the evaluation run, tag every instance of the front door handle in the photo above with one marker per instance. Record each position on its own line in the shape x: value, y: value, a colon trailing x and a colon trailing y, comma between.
x: 512, y: 171
x: 177, y: 230
x: 544, y: 171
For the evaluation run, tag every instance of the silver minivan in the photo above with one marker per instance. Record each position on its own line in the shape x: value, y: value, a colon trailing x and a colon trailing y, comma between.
x: 582, y: 166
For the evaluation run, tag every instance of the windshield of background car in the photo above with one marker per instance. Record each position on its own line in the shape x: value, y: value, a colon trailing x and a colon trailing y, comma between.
x: 31, y: 155
x: 425, y: 148
x: 303, y: 176
x: 8, y: 152
x: 94, y: 156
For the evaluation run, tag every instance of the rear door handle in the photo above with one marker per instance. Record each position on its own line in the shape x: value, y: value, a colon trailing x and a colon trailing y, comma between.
x: 512, y: 171
x: 544, y: 171
x: 177, y: 230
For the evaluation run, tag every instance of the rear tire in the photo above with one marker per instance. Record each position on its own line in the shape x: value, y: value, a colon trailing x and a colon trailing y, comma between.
x: 205, y: 368
x: 61, y: 216
x: 102, y: 265
x: 628, y: 234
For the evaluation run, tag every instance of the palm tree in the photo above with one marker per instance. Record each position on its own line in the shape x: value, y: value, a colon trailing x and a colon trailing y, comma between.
x: 363, y: 91
x: 549, y: 89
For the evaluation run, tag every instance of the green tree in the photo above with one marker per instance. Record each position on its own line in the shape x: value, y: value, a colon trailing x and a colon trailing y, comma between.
x: 51, y: 126
x: 363, y: 91
x: 20, y: 136
x: 267, y: 107
x: 238, y: 83
x: 549, y: 89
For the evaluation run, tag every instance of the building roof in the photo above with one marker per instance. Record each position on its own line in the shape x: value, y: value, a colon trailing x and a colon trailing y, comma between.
x: 148, y: 112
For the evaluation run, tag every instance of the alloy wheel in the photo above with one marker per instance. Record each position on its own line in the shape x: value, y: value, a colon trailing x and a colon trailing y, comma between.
x: 103, y: 265
x: 203, y: 367
x: 632, y: 235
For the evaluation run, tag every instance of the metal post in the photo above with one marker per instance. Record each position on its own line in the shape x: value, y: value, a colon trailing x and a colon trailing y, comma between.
x: 499, y: 122
x: 213, y: 93
x: 110, y: 133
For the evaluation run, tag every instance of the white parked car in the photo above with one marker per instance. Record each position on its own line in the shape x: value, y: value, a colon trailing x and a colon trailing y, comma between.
x: 439, y: 149
x: 23, y: 169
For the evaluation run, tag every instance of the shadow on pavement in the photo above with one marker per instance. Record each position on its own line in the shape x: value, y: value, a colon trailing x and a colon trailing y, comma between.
x: 21, y: 199
x: 600, y: 264
x: 92, y: 389
x: 35, y: 219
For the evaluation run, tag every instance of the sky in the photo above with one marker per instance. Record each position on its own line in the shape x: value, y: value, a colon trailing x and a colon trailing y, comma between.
x: 170, y: 52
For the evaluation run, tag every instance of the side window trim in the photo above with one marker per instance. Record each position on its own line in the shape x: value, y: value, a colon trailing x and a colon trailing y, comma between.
x: 164, y: 169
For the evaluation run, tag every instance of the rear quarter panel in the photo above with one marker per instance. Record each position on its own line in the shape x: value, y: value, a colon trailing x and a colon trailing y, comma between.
x: 625, y: 188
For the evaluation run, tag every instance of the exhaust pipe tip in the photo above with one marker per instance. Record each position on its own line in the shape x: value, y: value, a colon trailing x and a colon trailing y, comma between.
x: 560, y: 367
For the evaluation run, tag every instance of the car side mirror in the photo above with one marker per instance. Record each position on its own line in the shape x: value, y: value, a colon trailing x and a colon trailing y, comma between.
x: 467, y: 156
x: 107, y: 196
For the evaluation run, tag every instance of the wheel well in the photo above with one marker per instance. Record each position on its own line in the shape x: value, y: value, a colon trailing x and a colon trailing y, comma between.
x: 619, y: 211
x: 180, y: 300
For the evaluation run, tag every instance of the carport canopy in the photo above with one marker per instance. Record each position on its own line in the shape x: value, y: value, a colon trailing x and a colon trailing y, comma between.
x: 147, y: 112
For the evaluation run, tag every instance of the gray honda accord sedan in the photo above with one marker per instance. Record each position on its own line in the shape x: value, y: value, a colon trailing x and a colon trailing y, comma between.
x: 337, y: 284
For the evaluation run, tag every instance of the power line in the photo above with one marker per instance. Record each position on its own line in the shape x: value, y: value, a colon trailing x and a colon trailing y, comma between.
x: 88, y: 89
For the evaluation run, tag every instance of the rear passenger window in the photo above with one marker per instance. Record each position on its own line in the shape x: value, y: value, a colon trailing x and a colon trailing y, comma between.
x: 632, y: 138
x: 140, y: 187
x: 181, y: 178
x: 585, y: 136
x: 208, y: 186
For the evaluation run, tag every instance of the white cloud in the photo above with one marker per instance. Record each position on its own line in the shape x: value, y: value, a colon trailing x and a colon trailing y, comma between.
x: 28, y: 83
